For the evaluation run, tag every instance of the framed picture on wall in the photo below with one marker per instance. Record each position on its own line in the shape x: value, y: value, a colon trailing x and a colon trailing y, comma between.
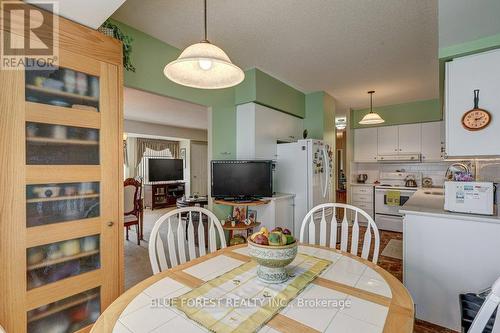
x: 183, y: 156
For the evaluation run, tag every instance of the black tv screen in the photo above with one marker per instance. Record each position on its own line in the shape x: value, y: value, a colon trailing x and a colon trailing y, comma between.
x: 242, y: 179
x: 162, y: 170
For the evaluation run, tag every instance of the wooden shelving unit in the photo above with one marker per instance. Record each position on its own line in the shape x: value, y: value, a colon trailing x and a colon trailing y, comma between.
x: 62, y: 307
x: 61, y: 93
x: 63, y: 141
x: 40, y: 161
x: 47, y: 263
x: 68, y: 197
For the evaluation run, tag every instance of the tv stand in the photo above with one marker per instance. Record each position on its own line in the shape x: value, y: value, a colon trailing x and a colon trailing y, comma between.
x: 162, y: 195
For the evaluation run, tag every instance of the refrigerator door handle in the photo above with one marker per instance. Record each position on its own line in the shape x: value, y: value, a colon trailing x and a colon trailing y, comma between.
x: 324, y: 184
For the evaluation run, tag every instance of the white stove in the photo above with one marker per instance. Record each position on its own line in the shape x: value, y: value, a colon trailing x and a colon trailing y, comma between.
x: 392, y: 184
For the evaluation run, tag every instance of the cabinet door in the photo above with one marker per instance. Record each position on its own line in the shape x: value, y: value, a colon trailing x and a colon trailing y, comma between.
x: 73, y: 150
x: 409, y: 138
x: 387, y: 140
x: 265, y: 132
x: 463, y: 76
x: 431, y: 141
x: 365, y: 145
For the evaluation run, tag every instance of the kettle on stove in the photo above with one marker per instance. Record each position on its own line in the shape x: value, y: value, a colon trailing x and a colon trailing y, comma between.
x: 410, y: 181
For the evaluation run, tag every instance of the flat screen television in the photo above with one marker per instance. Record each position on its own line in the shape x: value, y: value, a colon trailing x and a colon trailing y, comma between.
x: 242, y: 179
x: 165, y: 169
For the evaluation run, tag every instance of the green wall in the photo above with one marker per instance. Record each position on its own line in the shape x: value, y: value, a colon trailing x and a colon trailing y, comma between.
x: 314, y: 117
x: 264, y: 89
x: 397, y: 114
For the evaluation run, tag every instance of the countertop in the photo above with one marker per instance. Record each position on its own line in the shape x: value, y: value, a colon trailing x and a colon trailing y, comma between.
x: 365, y: 184
x: 433, y: 205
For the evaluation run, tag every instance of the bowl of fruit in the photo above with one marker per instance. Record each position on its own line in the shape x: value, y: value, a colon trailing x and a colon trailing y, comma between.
x: 273, y: 251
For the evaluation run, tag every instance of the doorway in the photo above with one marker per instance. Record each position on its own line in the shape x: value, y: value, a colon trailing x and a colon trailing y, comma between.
x: 199, y: 168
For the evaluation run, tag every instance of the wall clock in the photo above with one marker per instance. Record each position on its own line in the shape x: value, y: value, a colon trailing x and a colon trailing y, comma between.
x: 476, y: 119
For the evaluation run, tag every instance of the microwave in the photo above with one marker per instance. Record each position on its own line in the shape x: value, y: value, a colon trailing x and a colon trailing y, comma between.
x: 469, y: 197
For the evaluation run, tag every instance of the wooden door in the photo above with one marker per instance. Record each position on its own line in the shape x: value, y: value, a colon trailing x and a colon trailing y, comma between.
x: 387, y: 140
x: 409, y: 138
x: 199, y: 168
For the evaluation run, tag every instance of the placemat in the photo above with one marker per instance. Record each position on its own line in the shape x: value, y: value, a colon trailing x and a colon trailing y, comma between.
x: 239, y: 301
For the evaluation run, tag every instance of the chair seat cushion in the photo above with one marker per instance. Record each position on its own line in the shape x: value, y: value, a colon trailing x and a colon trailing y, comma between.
x: 130, y: 218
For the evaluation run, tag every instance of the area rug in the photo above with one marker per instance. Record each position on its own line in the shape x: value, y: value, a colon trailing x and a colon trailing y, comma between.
x: 394, y: 249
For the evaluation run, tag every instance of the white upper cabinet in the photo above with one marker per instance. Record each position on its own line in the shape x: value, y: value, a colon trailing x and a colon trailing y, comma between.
x: 365, y: 145
x: 432, y: 141
x: 463, y: 76
x: 409, y: 137
x: 259, y: 128
x: 387, y: 140
x: 400, y: 142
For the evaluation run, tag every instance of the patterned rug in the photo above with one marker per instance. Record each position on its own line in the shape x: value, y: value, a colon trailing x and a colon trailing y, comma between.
x: 394, y: 249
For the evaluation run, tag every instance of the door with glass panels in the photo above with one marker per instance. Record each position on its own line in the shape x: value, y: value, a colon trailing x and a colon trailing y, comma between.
x: 72, y: 157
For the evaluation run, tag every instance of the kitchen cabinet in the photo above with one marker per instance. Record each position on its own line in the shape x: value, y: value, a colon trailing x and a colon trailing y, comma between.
x: 404, y: 139
x: 432, y: 141
x: 258, y: 132
x: 463, y: 76
x: 279, y: 212
x: 62, y: 221
x: 362, y: 197
x: 409, y: 137
x: 387, y: 140
x: 365, y: 145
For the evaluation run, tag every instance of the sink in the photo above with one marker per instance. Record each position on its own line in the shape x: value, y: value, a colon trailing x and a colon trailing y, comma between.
x: 433, y: 193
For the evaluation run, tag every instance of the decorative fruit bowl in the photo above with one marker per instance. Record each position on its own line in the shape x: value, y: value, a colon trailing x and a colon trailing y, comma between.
x: 273, y: 252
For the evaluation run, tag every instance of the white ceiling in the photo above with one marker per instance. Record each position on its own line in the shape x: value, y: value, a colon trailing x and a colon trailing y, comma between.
x: 151, y: 108
x: 344, y: 47
x: 465, y: 20
x: 91, y: 13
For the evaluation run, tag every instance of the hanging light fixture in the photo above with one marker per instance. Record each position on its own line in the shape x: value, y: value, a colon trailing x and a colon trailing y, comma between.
x: 204, y: 65
x: 371, y: 118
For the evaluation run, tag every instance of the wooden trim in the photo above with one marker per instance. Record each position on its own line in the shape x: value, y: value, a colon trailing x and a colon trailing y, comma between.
x: 359, y: 293
x: 285, y: 324
x: 235, y: 203
x: 121, y: 204
x: 47, y: 263
x: 187, y: 279
x: 62, y: 307
x: 399, y: 319
x: 56, y: 232
x: 12, y: 205
x: 51, y: 114
x: 63, y: 141
x: 43, y: 174
x: 80, y: 63
x: 63, y: 288
x: 61, y: 93
x: 76, y: 38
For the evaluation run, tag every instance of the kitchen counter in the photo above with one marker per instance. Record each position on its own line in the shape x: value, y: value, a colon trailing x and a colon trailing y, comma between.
x: 445, y: 254
x: 422, y: 203
x: 360, y: 184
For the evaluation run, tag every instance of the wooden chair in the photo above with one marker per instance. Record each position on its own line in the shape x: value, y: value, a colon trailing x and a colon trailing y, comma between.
x: 132, y: 207
x: 184, y: 232
x: 489, y: 306
x: 321, y: 212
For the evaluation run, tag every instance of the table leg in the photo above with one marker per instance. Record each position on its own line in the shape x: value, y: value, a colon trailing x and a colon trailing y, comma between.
x: 230, y: 236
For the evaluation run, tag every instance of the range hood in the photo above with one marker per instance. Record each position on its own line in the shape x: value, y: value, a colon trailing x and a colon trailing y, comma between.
x: 398, y: 158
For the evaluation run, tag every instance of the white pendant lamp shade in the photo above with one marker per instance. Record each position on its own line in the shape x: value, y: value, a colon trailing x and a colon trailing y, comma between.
x: 204, y: 65
x: 371, y: 118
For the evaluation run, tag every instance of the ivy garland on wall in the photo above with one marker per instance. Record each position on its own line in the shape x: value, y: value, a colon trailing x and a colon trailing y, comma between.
x: 110, y: 29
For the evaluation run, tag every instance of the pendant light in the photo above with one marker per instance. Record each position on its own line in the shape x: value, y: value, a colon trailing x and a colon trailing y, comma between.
x: 204, y: 65
x: 372, y: 117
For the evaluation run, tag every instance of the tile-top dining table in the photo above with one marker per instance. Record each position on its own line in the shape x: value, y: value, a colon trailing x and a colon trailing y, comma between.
x: 373, y: 299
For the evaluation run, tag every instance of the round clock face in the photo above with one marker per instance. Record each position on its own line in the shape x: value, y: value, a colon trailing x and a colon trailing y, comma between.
x: 476, y: 119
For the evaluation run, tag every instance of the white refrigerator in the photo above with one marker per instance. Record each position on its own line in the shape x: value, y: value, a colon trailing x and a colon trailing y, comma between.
x: 304, y: 168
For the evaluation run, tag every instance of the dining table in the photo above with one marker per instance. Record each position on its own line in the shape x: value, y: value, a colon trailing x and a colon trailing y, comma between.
x: 370, y: 298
